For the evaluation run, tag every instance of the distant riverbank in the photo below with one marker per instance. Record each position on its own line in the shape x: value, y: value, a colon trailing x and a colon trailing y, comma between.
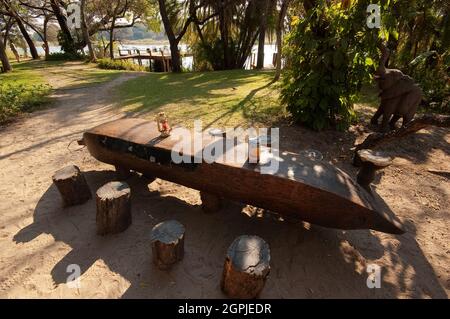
x: 145, y: 44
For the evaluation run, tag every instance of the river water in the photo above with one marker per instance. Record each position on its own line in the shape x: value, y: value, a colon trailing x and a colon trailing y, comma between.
x: 269, y: 50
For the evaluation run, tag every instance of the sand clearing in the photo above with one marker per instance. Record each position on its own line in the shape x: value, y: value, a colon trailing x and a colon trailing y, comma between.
x: 39, y: 239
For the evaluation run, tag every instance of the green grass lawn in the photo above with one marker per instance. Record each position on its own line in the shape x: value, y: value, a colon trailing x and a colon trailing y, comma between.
x: 23, y: 73
x: 220, y: 98
x: 22, y: 90
x: 26, y: 88
x: 75, y: 74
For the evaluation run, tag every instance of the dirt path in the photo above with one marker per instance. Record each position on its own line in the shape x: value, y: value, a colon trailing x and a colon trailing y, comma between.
x: 39, y: 239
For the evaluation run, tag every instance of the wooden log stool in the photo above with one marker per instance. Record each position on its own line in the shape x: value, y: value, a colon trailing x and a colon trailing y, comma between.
x: 371, y: 162
x: 113, y: 208
x: 246, y: 267
x: 72, y: 185
x: 167, y: 240
x: 210, y: 203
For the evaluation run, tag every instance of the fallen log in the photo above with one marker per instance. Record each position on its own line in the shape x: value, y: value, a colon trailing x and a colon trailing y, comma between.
x: 420, y: 122
x: 440, y: 173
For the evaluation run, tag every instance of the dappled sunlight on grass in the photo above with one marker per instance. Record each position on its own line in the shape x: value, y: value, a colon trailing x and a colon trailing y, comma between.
x: 221, y: 98
x: 70, y: 74
x: 23, y: 73
x: 79, y: 74
x: 28, y: 86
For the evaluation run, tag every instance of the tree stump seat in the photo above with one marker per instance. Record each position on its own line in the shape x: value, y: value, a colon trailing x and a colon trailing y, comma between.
x: 72, y: 185
x: 113, y: 208
x: 246, y: 267
x: 371, y: 162
x: 167, y: 239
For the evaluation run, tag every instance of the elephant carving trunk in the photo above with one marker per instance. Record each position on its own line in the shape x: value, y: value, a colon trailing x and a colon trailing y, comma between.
x: 400, y: 96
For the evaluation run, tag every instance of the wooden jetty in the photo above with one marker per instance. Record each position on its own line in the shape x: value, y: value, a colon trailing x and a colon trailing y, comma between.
x: 158, y: 61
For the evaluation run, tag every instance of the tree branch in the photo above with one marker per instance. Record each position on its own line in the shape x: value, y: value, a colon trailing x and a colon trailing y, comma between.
x: 420, y: 122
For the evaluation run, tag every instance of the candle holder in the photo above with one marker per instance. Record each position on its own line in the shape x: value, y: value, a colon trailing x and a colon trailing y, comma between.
x: 257, y: 145
x: 163, y: 124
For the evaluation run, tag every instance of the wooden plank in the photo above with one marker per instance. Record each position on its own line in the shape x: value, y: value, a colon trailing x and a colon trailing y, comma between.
x: 146, y: 133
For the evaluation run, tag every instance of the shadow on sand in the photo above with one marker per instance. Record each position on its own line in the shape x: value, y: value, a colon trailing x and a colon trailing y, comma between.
x: 307, y: 261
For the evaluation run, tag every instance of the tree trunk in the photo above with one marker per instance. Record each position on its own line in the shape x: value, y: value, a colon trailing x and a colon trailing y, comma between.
x: 175, y: 53
x: 111, y: 38
x: 262, y: 34
x: 176, y: 58
x: 246, y: 49
x: 85, y: 31
x: 280, y: 26
x: 62, y: 21
x: 6, y: 66
x: 26, y: 36
x: 14, y: 51
x: 224, y: 38
x: 46, y: 46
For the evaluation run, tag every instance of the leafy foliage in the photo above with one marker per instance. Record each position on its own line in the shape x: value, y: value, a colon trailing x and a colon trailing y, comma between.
x: 17, y: 98
x: 328, y: 56
x: 109, y: 64
x: 432, y: 71
x: 64, y: 56
x: 208, y: 56
x: 68, y: 46
x: 225, y: 39
x: 421, y: 48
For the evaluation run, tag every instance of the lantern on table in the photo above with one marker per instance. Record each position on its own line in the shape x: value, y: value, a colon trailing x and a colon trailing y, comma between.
x: 258, y: 146
x: 163, y: 124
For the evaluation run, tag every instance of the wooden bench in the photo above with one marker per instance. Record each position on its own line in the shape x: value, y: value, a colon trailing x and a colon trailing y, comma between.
x: 313, y: 191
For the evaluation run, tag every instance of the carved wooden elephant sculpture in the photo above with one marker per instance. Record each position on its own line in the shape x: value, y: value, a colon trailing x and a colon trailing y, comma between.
x: 400, y: 96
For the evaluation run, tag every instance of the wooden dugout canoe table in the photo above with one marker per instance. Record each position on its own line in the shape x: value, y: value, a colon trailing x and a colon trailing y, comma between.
x: 313, y: 191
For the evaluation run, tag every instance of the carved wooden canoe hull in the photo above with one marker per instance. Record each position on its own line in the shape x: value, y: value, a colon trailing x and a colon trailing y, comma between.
x: 313, y: 191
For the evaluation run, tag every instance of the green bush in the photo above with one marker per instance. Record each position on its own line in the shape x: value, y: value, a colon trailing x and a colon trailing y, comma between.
x: 71, y: 46
x: 64, y: 56
x: 19, y: 98
x: 327, y: 61
x: 432, y: 72
x: 109, y: 64
x: 209, y: 56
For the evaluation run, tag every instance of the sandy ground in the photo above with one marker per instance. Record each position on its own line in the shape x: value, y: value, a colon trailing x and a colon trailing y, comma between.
x: 39, y: 239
